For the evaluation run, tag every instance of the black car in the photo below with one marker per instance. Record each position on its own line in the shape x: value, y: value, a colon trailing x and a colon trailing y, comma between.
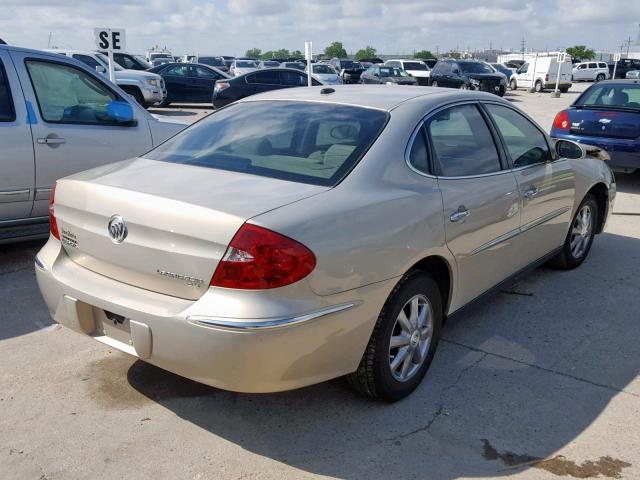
x: 468, y: 75
x: 131, y: 62
x: 624, y: 65
x: 229, y: 90
x: 372, y: 60
x: 380, y: 74
x: 349, y: 70
x: 188, y: 82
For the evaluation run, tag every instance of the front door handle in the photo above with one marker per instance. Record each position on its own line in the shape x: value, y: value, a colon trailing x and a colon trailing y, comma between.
x: 459, y: 214
x: 51, y: 139
x: 531, y: 192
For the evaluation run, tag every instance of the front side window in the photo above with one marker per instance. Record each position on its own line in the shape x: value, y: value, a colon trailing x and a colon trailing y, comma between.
x: 66, y: 94
x: 525, y: 144
x: 462, y: 142
x: 304, y: 142
x: 7, y: 113
x: 524, y: 68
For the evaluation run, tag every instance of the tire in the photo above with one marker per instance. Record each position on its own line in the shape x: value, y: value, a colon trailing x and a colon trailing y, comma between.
x: 137, y: 95
x: 538, y: 87
x: 165, y: 103
x: 564, y: 89
x: 571, y: 257
x: 375, y: 376
x: 434, y: 84
x: 464, y: 87
x: 513, y: 85
x: 502, y: 91
x: 600, y: 77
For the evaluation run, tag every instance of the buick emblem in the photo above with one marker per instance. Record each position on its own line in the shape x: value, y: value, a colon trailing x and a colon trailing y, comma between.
x: 117, y: 229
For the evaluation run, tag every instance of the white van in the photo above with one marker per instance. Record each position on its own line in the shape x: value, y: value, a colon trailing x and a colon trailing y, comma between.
x: 545, y: 76
x: 591, y: 71
x: 58, y: 117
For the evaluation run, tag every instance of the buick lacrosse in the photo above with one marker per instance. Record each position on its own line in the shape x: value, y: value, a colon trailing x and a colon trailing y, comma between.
x: 302, y: 235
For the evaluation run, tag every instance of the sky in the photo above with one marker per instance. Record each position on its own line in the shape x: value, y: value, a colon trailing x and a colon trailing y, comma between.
x: 230, y: 27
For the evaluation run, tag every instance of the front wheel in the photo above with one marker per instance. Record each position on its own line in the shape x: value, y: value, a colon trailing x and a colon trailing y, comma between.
x: 538, y: 87
x: 580, y: 237
x: 403, y: 341
x: 513, y: 85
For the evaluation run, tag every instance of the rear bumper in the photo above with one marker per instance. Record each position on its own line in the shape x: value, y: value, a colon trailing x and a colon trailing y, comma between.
x: 625, y: 154
x: 310, y: 340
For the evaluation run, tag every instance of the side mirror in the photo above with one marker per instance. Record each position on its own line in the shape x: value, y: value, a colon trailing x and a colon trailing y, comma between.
x: 376, y: 74
x: 100, y: 69
x: 120, y: 112
x: 570, y: 149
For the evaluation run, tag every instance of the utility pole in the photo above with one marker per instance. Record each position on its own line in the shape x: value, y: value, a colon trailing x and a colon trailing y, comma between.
x: 628, y: 45
x: 523, y: 43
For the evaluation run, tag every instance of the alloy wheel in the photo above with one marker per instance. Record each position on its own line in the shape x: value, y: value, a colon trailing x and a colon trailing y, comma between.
x: 410, y: 338
x: 581, y: 231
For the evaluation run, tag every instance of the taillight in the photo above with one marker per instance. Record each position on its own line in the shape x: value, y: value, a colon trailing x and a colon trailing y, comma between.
x: 258, y: 258
x: 219, y: 86
x: 546, y: 77
x: 561, y: 122
x: 53, y: 224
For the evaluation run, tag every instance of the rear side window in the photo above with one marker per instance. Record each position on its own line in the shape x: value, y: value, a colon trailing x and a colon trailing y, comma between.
x: 7, y: 114
x: 304, y: 142
x: 462, y: 142
x: 66, y: 94
x: 525, y: 143
x: 418, y: 156
x: 268, y: 77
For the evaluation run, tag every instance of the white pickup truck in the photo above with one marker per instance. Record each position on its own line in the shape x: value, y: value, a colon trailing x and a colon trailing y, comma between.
x: 59, y: 117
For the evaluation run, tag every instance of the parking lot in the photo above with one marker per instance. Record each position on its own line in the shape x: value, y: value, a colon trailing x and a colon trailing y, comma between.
x: 541, y: 381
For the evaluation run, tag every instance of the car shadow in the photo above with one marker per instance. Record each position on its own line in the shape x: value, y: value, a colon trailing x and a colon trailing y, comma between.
x: 514, y: 381
x: 17, y: 278
x: 628, y: 182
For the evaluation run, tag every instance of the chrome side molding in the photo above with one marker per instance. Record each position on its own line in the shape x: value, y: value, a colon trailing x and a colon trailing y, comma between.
x: 267, y: 323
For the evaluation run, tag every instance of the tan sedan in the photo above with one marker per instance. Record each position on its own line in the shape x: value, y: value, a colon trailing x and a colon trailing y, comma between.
x: 301, y: 235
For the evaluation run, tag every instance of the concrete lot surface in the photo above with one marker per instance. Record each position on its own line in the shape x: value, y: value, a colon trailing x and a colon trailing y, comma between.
x: 539, y: 382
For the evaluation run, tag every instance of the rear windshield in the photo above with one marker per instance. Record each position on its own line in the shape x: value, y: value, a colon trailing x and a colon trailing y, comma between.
x: 623, y: 96
x: 414, y: 66
x: 347, y: 64
x: 392, y: 72
x: 323, y: 69
x: 213, y: 61
x: 245, y: 64
x: 297, y: 141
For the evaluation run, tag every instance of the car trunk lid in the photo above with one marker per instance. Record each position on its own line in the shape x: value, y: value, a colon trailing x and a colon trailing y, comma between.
x: 605, y: 123
x: 179, y: 220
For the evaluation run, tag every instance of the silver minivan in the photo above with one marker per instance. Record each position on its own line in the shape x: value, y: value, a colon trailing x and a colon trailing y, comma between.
x: 58, y: 117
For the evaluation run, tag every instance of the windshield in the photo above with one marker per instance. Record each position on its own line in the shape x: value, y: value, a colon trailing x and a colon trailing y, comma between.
x: 323, y: 69
x: 105, y: 62
x: 305, y: 142
x: 350, y: 64
x: 501, y: 68
x: 212, y: 61
x: 392, y: 72
x: 475, y: 67
x: 245, y: 64
x: 621, y: 96
x: 414, y: 66
x: 142, y: 61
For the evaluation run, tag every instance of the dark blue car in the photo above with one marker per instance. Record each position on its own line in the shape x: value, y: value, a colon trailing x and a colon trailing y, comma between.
x: 606, y: 115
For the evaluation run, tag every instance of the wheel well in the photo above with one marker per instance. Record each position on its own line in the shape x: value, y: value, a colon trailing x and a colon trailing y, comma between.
x: 438, y: 268
x: 600, y: 191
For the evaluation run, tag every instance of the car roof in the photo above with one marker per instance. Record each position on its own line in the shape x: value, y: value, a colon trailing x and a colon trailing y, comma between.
x: 51, y: 53
x: 369, y: 96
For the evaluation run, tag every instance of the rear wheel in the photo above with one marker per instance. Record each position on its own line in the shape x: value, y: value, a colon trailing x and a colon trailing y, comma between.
x: 600, y: 77
x: 538, y: 86
x: 580, y: 237
x: 403, y: 341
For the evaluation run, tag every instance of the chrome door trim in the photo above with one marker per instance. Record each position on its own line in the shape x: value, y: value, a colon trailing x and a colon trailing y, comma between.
x: 267, y: 323
x: 43, y: 193
x: 9, y: 196
x: 544, y: 219
x: 492, y: 243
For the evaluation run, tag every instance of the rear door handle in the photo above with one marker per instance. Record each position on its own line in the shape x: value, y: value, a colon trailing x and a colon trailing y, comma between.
x: 50, y: 140
x: 531, y: 192
x: 459, y: 214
